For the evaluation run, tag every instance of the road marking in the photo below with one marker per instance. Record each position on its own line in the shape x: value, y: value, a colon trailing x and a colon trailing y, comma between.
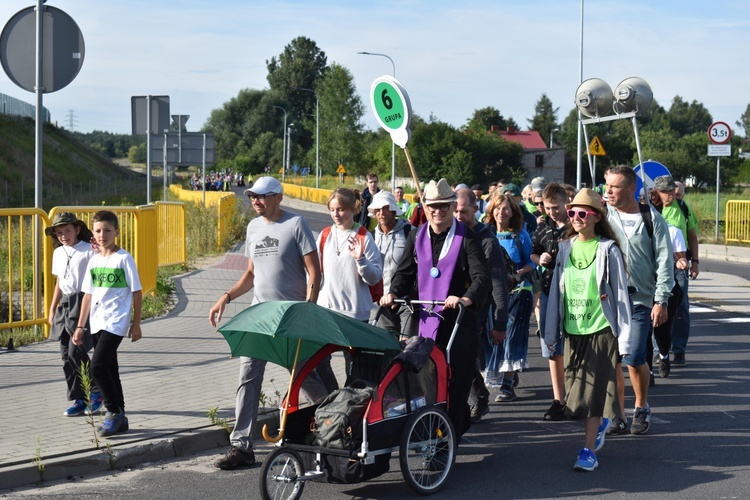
x: 699, y: 309
x: 732, y: 320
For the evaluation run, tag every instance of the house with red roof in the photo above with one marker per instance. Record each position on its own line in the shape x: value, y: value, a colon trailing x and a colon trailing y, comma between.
x: 538, y: 159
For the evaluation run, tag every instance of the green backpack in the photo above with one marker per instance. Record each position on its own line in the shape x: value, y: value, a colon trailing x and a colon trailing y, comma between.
x: 338, y: 419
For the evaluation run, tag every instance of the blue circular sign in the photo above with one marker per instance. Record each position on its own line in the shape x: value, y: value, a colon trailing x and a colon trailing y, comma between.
x: 651, y: 170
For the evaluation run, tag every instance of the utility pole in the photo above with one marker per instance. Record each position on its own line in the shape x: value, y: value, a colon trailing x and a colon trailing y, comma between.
x: 72, y: 120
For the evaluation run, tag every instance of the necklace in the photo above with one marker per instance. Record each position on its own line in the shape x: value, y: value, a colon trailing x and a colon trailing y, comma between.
x: 336, y: 246
x: 66, y: 274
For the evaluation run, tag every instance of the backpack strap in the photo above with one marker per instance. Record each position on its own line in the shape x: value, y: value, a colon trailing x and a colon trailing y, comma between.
x: 648, y: 220
x: 684, y: 208
x: 323, y: 237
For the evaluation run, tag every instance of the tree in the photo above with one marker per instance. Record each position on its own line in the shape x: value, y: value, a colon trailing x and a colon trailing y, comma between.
x: 744, y: 121
x: 687, y: 118
x: 341, y: 112
x: 484, y: 119
x: 545, y: 118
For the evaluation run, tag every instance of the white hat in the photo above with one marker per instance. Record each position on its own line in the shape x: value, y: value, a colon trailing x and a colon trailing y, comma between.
x: 438, y: 192
x: 265, y: 185
x: 384, y: 199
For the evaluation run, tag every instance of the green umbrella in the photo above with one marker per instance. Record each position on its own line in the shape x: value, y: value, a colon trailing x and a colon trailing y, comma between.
x: 270, y: 331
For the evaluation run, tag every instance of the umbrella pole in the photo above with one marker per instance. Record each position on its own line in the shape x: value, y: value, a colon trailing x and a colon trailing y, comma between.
x: 282, y: 423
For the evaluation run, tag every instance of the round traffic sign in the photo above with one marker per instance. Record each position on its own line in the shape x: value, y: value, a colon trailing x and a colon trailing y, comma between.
x: 651, y: 170
x: 719, y: 133
x: 392, y: 108
x: 62, y: 54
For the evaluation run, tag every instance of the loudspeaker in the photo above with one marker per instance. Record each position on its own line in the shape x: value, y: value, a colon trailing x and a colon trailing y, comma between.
x: 633, y: 94
x: 594, y: 98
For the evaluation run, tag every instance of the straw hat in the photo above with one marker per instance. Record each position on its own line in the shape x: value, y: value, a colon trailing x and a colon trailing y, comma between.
x: 589, y: 198
x: 438, y: 192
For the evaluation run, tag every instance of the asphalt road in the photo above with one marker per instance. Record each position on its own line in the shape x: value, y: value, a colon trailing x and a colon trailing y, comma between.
x: 698, y: 446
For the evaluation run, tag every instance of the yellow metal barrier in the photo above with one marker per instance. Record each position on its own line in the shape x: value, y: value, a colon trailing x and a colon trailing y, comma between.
x: 226, y: 203
x: 738, y: 221
x: 19, y: 273
x: 172, y: 242
x: 311, y: 194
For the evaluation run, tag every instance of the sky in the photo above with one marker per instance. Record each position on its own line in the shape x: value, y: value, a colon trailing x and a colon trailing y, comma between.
x: 451, y: 57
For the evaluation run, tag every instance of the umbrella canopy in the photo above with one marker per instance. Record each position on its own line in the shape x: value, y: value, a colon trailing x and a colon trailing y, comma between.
x: 270, y: 331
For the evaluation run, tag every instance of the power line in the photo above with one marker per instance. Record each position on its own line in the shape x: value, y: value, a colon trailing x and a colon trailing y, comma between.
x: 72, y: 120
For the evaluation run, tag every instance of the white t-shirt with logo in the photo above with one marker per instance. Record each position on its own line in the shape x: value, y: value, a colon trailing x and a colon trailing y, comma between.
x: 111, y: 282
x: 69, y: 264
x: 629, y: 221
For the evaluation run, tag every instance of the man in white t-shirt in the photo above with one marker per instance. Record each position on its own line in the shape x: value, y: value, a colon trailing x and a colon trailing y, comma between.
x: 278, y: 243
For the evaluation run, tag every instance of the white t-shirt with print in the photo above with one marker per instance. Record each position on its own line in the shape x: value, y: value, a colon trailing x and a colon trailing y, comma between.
x: 111, y: 282
x: 69, y: 264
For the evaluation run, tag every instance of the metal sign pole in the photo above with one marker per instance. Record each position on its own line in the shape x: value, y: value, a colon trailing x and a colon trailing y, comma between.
x: 148, y: 149
x: 716, y: 226
x: 164, y: 167
x: 203, y: 181
x: 39, y: 89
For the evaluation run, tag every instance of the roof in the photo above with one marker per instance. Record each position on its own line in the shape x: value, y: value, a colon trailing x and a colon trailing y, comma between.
x: 528, y: 139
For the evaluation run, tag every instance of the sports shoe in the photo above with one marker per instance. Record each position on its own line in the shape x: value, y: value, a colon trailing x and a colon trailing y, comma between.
x: 601, y: 433
x: 641, y: 420
x: 77, y: 409
x: 234, y: 458
x: 617, y: 426
x: 665, y: 368
x: 651, y: 379
x: 479, y: 410
x: 586, y: 460
x: 97, y: 401
x: 493, y: 380
x: 516, y: 379
x: 505, y: 395
x: 113, y: 423
x: 556, y: 411
x: 679, y: 359
x: 656, y: 360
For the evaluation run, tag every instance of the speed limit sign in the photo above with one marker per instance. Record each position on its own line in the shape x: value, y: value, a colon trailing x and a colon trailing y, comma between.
x: 719, y: 133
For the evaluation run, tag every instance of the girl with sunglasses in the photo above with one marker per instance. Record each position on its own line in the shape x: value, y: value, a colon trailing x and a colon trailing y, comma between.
x: 590, y: 287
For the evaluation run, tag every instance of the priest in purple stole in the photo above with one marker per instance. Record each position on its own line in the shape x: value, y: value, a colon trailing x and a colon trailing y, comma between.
x: 446, y: 262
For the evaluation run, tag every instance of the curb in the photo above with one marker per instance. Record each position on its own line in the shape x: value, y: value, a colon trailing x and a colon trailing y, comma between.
x: 176, y: 445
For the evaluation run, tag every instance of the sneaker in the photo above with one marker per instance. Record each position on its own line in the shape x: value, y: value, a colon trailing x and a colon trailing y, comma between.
x: 556, y: 411
x: 651, y: 379
x: 601, y: 433
x: 665, y: 368
x: 505, y: 395
x: 617, y: 426
x: 641, y: 420
x: 493, y: 380
x: 234, y: 458
x: 77, y: 409
x: 586, y: 460
x: 97, y: 401
x: 479, y: 410
x: 113, y: 423
x: 516, y: 379
x: 679, y: 359
x: 656, y: 359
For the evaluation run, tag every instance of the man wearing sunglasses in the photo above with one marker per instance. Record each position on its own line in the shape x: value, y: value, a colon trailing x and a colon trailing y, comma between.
x: 649, y: 264
x: 446, y: 260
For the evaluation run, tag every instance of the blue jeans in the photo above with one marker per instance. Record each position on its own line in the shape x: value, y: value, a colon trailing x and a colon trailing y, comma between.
x: 681, y: 326
x: 640, y: 330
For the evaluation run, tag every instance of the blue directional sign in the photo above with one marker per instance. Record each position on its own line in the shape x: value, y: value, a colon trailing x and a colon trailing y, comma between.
x: 651, y: 170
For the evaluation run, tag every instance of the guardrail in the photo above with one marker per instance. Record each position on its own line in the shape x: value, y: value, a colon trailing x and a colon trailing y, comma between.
x: 737, y: 221
x: 153, y: 234
x: 226, y: 204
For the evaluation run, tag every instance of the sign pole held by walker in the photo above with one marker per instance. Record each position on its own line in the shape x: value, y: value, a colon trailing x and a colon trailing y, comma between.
x: 719, y: 133
x: 392, y: 108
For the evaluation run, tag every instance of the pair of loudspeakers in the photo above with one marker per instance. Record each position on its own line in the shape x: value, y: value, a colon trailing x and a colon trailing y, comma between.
x: 595, y: 99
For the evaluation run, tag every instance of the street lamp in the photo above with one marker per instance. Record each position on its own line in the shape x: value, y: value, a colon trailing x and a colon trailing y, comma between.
x: 317, y: 137
x: 552, y: 136
x: 393, y: 144
x: 283, y: 147
x: 288, y: 147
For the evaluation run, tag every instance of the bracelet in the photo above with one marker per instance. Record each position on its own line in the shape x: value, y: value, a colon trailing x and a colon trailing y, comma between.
x: 81, y: 328
x: 229, y: 297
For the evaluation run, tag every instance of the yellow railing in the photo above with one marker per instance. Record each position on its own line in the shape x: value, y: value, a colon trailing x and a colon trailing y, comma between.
x: 738, y: 221
x: 225, y: 202
x: 173, y: 243
x: 20, y: 303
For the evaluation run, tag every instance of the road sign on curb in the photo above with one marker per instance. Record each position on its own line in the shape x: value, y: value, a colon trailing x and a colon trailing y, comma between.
x: 651, y: 170
x: 719, y: 150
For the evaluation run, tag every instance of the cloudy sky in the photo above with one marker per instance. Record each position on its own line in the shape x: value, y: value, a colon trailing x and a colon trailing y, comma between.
x: 452, y: 57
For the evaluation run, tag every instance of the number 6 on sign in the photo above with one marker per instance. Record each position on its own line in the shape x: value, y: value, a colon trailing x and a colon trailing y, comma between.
x: 392, y: 108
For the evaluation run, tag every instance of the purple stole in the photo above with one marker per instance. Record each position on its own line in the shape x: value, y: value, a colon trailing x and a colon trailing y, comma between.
x: 433, y: 287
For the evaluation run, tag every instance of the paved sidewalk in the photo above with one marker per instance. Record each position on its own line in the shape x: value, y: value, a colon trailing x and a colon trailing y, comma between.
x: 179, y: 370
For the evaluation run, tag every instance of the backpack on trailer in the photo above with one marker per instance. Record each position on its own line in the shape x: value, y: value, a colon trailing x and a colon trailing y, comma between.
x: 338, y: 419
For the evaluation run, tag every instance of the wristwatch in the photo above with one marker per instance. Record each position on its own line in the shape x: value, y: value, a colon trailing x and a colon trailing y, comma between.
x: 663, y: 304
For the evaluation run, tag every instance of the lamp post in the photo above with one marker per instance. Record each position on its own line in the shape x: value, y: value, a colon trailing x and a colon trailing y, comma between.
x: 393, y: 144
x: 552, y: 136
x: 283, y: 147
x: 288, y: 146
x: 317, y: 137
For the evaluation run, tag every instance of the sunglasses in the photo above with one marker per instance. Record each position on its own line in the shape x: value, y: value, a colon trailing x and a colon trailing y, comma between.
x: 260, y: 197
x: 539, y: 203
x: 582, y: 214
x: 443, y: 207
